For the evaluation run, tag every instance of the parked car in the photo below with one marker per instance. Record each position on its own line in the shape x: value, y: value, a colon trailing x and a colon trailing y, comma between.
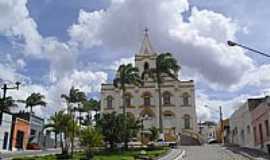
x: 212, y: 141
x: 162, y: 143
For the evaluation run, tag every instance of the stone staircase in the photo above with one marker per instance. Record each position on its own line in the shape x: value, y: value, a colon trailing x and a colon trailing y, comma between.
x: 190, y: 138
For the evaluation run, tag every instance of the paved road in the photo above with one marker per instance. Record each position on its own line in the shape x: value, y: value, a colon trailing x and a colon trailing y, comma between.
x: 173, y: 154
x: 210, y: 152
x: 10, y: 155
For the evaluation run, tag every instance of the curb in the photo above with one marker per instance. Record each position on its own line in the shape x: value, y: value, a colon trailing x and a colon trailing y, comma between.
x: 250, y: 157
x: 174, y: 154
x: 247, y: 156
x: 182, y: 156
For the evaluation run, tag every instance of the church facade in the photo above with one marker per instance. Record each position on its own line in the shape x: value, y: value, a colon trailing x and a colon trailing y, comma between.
x: 178, y: 98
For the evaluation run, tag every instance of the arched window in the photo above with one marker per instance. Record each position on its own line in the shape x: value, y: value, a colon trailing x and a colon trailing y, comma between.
x: 109, y: 101
x: 248, y: 129
x: 187, y: 121
x: 185, y: 99
x: 146, y: 66
x: 147, y: 99
x: 166, y: 98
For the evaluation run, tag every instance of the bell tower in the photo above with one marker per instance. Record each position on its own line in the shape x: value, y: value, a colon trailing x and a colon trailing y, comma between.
x: 146, y: 57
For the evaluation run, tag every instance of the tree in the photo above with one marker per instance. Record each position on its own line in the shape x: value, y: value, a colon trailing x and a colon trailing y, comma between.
x: 166, y: 65
x: 7, y: 103
x: 154, y: 133
x: 111, y: 126
x: 89, y: 139
x: 133, y: 126
x: 74, y: 96
x: 55, y: 126
x: 61, y: 123
x: 35, y: 99
x: 126, y: 75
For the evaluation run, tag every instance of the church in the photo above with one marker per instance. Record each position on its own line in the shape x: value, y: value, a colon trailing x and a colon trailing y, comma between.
x: 178, y: 98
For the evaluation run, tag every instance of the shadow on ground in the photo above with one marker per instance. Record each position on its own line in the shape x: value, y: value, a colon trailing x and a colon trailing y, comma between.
x: 255, y: 153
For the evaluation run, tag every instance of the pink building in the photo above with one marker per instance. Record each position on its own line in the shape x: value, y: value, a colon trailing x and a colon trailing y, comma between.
x: 260, y: 115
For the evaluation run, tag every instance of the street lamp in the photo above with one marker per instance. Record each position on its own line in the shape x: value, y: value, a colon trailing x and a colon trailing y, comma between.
x: 233, y: 44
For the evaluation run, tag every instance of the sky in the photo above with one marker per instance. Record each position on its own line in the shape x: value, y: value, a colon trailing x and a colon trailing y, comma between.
x: 51, y: 45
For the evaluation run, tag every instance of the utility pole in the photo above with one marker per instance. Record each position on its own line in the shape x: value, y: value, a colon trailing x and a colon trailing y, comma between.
x: 200, y: 127
x: 221, y: 125
x: 221, y: 122
x: 5, y: 88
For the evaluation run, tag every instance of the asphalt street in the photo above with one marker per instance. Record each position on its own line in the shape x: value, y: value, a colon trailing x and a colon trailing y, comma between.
x: 210, y: 152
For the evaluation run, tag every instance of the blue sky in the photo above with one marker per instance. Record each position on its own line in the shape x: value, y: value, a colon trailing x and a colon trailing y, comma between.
x: 51, y: 45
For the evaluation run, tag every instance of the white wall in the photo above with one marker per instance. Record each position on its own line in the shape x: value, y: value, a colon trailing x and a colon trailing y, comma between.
x: 241, y: 119
x: 5, y: 127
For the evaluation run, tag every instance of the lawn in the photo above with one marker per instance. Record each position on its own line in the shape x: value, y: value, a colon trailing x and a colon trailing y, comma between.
x: 126, y: 155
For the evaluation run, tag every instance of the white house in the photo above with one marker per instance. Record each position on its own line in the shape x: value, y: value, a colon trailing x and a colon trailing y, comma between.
x: 241, y: 127
x: 5, y: 130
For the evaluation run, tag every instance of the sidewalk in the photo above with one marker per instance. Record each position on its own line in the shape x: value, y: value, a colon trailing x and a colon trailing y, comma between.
x: 253, y: 154
x: 28, y: 153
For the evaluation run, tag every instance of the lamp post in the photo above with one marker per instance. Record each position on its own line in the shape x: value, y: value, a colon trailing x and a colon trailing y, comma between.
x: 233, y: 44
x: 221, y: 121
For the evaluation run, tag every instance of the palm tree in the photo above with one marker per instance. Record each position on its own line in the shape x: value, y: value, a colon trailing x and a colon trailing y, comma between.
x: 35, y: 99
x: 166, y: 65
x: 60, y: 123
x: 126, y: 75
x: 90, y: 138
x: 7, y: 103
x: 54, y: 125
x: 74, y: 96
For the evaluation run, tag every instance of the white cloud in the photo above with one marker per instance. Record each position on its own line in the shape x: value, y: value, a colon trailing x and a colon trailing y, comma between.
x: 86, y: 81
x: 15, y: 21
x: 117, y: 63
x: 211, y: 112
x: 88, y: 21
x: 259, y: 77
x: 61, y: 56
x: 211, y: 24
x: 20, y: 63
x: 8, y: 74
x: 198, y: 44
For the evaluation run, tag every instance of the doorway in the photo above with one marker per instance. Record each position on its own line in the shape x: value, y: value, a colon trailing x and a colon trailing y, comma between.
x: 19, y: 139
x: 5, y: 142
